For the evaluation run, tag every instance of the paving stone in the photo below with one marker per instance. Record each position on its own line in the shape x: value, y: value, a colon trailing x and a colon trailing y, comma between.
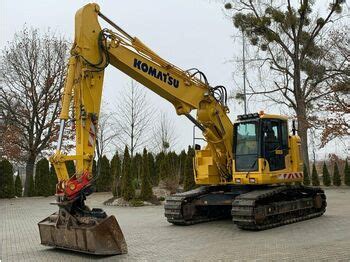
x: 151, y: 238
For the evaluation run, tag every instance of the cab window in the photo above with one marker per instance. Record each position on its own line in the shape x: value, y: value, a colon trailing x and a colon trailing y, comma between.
x: 246, y: 146
x: 275, y: 143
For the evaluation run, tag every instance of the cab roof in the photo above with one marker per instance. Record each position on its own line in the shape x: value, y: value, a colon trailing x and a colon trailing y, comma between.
x: 261, y: 114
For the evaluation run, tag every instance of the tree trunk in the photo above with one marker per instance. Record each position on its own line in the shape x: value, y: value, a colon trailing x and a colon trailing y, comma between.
x: 302, y: 132
x: 29, y: 172
x: 300, y: 109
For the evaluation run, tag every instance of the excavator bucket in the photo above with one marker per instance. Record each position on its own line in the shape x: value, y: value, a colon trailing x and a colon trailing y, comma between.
x: 98, y: 236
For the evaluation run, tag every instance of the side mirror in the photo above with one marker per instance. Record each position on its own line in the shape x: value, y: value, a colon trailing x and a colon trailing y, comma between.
x: 197, y: 147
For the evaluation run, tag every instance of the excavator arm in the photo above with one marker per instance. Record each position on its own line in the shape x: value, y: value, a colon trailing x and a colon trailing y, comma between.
x: 93, y: 50
x: 75, y: 226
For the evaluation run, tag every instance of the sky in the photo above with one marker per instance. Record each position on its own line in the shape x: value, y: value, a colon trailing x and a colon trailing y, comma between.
x: 187, y: 33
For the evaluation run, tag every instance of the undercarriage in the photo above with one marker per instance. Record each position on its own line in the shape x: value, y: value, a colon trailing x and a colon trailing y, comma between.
x: 250, y: 207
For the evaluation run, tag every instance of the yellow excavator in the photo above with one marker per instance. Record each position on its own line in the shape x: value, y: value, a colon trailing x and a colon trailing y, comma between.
x: 249, y: 170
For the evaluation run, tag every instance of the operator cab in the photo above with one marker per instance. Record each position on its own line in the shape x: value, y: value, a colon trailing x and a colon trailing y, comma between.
x: 260, y: 136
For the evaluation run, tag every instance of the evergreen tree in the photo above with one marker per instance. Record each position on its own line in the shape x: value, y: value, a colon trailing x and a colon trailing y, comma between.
x: 116, y: 175
x: 70, y: 167
x: 306, y: 180
x: 336, y: 175
x: 104, y: 180
x: 152, y: 170
x: 164, y: 168
x: 347, y: 173
x: 182, y: 161
x: 128, y: 190
x: 31, y: 189
x: 94, y: 168
x: 173, y: 164
x: 146, y: 185
x: 189, y: 182
x: 314, y: 176
x: 136, y: 167
x: 158, y: 163
x: 326, y: 176
x: 18, y: 186
x: 42, y: 178
x: 37, y: 179
x: 7, y: 186
x: 53, y: 180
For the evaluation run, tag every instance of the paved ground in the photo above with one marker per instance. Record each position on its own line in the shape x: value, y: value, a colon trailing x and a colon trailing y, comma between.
x: 151, y: 238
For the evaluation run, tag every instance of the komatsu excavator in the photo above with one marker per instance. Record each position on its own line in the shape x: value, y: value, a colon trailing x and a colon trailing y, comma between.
x: 245, y: 171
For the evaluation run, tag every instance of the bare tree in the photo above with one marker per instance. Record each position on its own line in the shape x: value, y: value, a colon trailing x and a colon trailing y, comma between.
x: 9, y: 135
x: 106, y: 132
x: 164, y: 137
x: 289, y: 38
x: 334, y: 109
x: 133, y: 118
x: 32, y: 75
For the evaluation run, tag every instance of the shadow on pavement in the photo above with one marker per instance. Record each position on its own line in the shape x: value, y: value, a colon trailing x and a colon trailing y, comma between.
x: 81, y: 255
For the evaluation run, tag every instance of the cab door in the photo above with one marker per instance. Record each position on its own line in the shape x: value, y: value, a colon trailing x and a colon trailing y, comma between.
x: 275, y: 143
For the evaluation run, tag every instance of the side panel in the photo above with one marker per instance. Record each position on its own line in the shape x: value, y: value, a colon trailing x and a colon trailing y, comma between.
x: 205, y: 170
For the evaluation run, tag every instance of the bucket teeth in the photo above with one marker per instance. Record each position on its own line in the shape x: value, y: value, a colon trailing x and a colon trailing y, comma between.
x: 99, y: 236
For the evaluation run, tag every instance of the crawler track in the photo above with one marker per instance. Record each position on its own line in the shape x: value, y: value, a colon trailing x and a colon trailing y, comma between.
x: 252, y: 208
x: 277, y: 206
x: 180, y: 209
